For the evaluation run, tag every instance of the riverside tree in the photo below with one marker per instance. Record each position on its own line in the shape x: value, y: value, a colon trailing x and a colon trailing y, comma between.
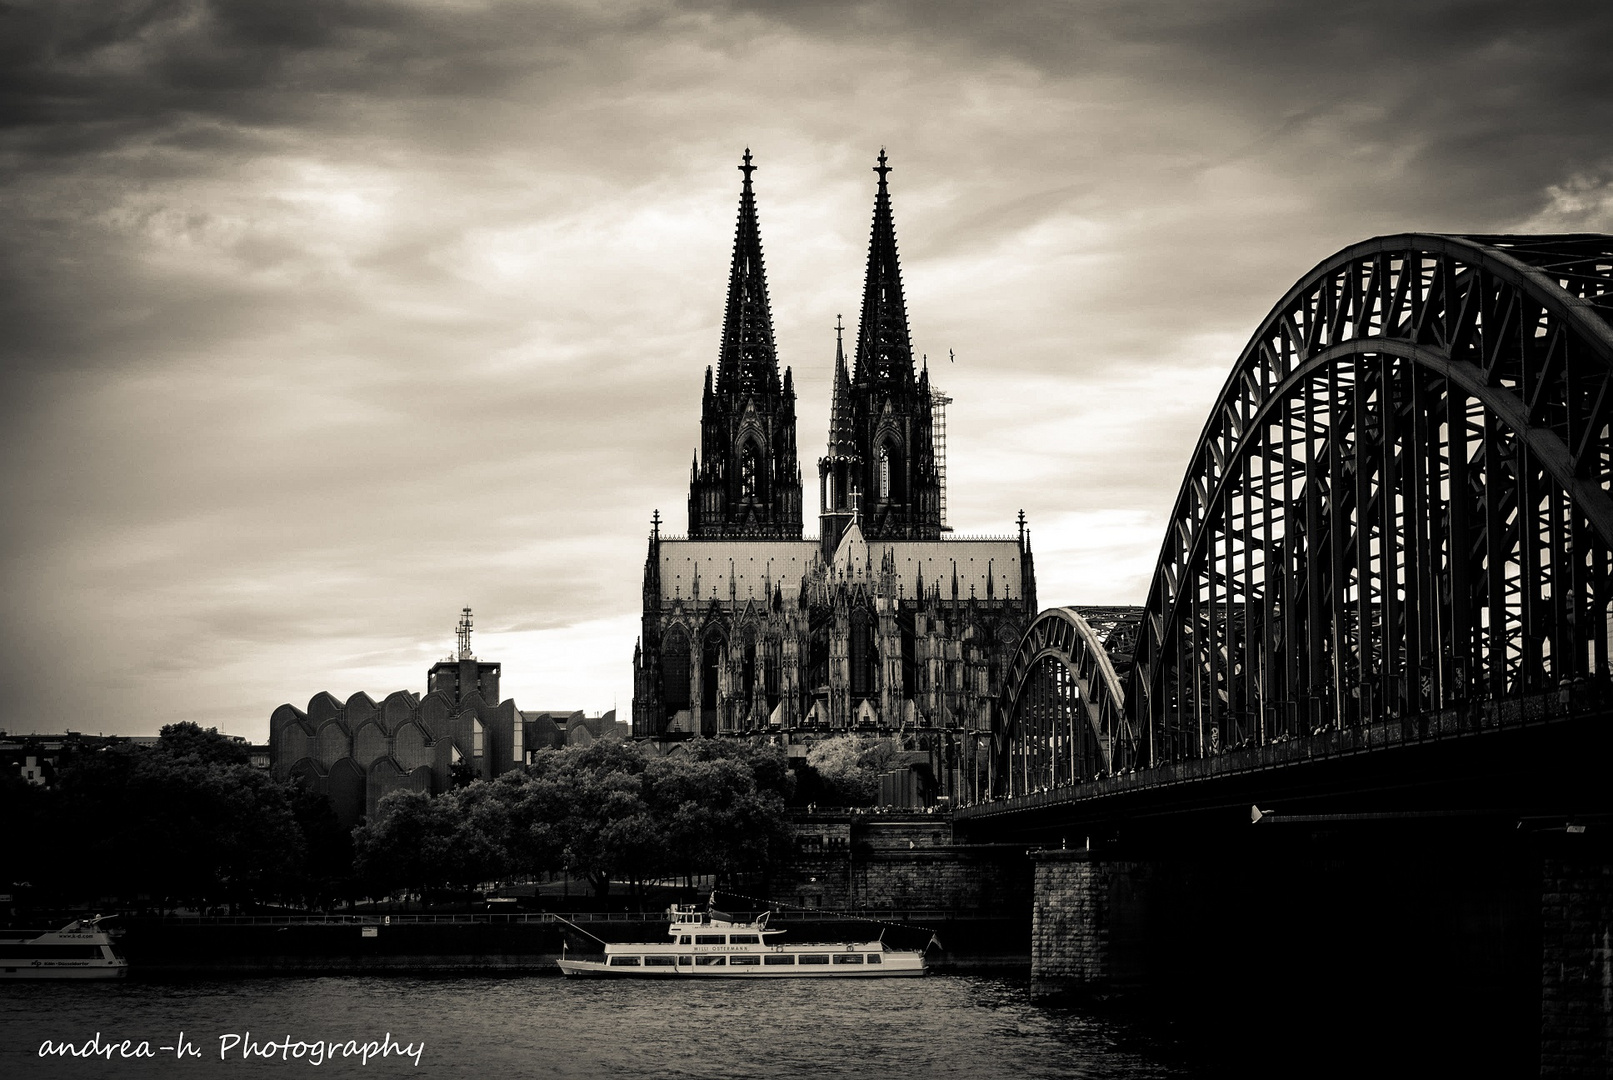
x: 848, y: 768
x: 185, y: 822
x: 612, y: 812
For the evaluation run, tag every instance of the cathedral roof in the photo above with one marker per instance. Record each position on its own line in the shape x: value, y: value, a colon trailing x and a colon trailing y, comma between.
x: 884, y: 348
x: 754, y: 566
x: 748, y: 360
x: 972, y: 562
x: 757, y: 566
x: 851, y: 554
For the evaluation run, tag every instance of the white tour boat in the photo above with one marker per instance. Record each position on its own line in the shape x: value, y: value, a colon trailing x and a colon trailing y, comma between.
x: 79, y: 950
x: 709, y: 944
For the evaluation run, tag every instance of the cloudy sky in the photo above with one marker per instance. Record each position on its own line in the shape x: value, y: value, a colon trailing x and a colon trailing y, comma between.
x: 320, y: 319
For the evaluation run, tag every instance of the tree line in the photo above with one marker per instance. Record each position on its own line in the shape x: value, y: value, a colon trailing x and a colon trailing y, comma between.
x: 610, y: 812
x: 185, y: 823
x: 190, y: 823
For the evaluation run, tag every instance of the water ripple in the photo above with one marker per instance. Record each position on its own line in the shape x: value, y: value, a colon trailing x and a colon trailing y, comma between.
x: 938, y: 1028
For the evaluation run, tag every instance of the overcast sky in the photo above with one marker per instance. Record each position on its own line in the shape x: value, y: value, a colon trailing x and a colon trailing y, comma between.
x: 321, y: 319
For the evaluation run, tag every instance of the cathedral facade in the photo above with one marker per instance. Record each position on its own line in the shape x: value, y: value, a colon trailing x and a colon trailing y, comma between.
x: 886, y: 622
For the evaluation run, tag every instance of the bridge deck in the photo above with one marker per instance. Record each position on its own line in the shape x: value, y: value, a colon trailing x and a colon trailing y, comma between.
x: 1427, y: 730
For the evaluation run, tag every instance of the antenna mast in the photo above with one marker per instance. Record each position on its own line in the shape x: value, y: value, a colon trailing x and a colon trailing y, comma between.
x: 464, y: 635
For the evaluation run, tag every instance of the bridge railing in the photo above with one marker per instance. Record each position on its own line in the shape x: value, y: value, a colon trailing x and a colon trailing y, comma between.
x: 1471, y: 718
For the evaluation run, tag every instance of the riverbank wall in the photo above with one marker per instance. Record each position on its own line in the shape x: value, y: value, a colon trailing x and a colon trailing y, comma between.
x: 855, y: 875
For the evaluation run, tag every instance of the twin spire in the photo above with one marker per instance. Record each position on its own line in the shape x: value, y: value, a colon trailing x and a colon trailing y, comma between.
x: 749, y: 358
x: 746, y: 481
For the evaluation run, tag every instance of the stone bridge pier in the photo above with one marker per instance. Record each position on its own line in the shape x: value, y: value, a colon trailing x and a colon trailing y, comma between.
x: 1347, y: 947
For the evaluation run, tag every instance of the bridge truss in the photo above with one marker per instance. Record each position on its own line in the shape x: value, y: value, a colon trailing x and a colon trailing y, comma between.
x: 1399, y: 504
x: 1400, y: 501
x: 1064, y: 708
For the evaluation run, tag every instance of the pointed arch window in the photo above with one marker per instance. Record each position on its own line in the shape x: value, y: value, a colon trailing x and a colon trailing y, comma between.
x: 747, y: 677
x: 675, y: 670
x: 864, y: 656
x: 772, y: 664
x: 714, y: 654
x: 749, y: 471
x: 713, y: 659
x: 888, y: 470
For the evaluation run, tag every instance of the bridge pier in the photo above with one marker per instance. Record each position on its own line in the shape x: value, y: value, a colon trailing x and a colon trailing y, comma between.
x: 1085, y: 904
x: 1355, y: 948
x: 1576, y: 976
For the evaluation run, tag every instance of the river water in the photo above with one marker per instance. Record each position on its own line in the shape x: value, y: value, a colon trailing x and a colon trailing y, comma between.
x: 935, y: 1028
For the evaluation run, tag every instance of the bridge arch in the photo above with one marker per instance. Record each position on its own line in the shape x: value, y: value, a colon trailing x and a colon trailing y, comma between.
x: 1400, y: 501
x: 1063, y: 709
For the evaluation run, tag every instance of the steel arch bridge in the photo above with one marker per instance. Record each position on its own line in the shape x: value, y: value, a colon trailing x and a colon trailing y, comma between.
x: 1064, y: 708
x: 1399, y: 504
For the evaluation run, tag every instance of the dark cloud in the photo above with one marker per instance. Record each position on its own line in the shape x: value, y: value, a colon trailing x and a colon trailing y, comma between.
x: 323, y: 318
x: 1474, y: 104
x: 128, y: 67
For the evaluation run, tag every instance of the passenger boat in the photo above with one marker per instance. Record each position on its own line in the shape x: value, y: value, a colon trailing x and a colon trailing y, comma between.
x: 79, y: 950
x: 710, y: 944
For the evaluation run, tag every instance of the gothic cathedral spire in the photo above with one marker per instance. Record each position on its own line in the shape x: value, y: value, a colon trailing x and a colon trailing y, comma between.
x: 747, y: 481
x: 884, y: 349
x: 748, y: 359
x: 890, y: 410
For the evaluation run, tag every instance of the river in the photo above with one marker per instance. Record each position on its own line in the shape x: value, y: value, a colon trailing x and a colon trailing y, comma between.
x: 935, y: 1028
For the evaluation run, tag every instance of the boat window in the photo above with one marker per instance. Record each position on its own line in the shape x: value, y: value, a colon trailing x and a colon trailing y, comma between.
x: 709, y: 961
x: 708, y: 939
x: 659, y: 961
x: 684, y: 940
x: 624, y: 961
x: 685, y: 961
x: 848, y: 958
x: 813, y: 958
x: 744, y: 961
x: 779, y: 959
x: 744, y: 939
x: 873, y: 958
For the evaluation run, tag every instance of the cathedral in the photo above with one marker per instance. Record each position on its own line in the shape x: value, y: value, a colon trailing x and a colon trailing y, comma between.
x: 886, y: 623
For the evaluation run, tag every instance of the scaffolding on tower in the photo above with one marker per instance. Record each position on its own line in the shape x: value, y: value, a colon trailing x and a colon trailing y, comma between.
x: 938, y: 426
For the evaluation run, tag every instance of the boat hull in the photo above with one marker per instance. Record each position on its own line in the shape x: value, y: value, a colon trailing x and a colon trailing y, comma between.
x: 47, y: 972
x: 710, y: 944
x: 892, y: 968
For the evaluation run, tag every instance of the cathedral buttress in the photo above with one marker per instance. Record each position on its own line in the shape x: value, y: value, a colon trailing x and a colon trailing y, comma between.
x: 746, y: 480
x: 890, y: 407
